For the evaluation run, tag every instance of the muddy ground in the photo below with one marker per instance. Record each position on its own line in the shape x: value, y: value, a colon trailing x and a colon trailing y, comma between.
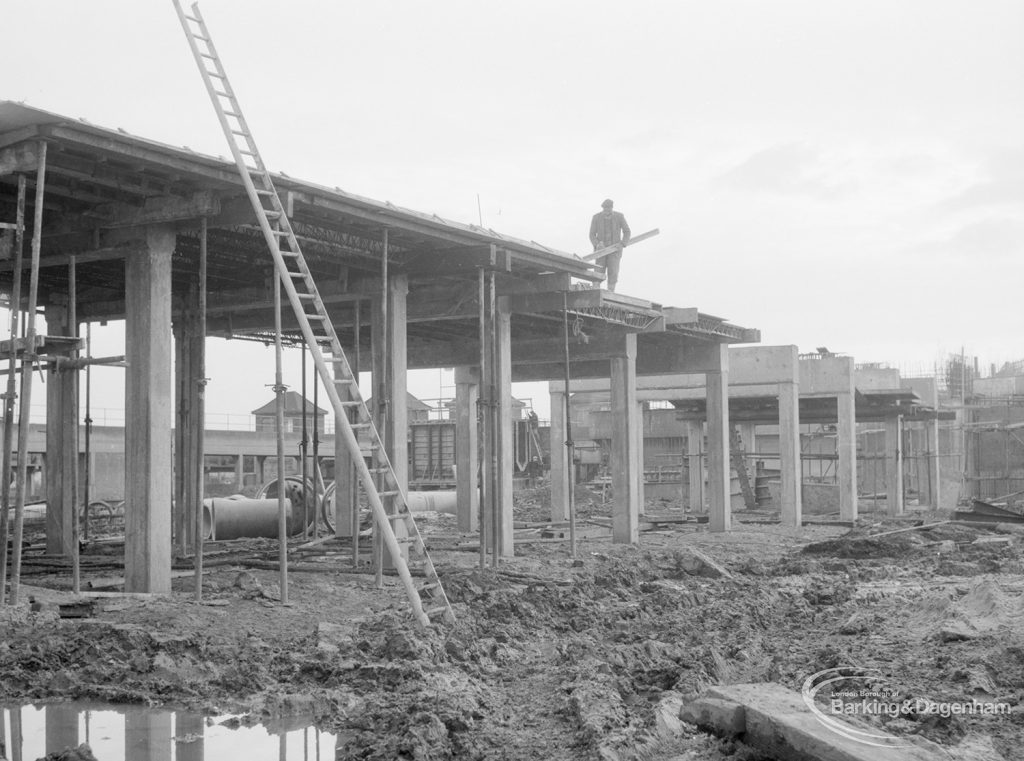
x: 555, y: 658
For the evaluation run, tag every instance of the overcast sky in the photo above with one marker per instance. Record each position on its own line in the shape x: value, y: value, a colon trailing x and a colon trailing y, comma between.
x: 835, y: 173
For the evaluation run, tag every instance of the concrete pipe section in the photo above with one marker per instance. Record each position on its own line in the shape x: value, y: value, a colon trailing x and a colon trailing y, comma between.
x: 435, y: 501
x: 237, y: 517
x: 419, y: 502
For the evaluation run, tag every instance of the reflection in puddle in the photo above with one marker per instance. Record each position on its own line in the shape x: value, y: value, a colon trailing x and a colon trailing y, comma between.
x: 130, y: 733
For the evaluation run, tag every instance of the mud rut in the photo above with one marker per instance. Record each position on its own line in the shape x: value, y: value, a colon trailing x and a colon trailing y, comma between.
x: 552, y: 660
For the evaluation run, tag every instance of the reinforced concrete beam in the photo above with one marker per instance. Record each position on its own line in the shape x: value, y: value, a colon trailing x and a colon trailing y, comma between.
x: 758, y: 370
x: 19, y: 159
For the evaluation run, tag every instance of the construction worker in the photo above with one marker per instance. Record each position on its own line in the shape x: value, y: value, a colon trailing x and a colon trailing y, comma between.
x: 606, y: 229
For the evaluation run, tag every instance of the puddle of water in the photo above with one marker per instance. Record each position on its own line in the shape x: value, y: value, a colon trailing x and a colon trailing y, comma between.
x: 131, y: 733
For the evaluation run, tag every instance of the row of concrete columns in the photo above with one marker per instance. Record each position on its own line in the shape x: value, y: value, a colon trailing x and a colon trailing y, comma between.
x: 759, y: 371
x: 148, y: 431
x: 148, y: 486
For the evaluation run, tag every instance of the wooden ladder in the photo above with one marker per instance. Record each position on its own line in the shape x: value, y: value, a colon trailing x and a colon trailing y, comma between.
x: 739, y: 464
x: 388, y: 502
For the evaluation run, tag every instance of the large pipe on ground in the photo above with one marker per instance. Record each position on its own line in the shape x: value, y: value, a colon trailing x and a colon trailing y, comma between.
x: 237, y: 517
x: 418, y: 501
x: 437, y: 501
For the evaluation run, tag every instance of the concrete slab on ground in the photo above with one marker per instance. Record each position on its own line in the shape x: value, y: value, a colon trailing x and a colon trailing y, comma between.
x: 775, y: 719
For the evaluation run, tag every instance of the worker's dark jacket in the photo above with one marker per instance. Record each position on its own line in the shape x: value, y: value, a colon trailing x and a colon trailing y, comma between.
x: 606, y: 230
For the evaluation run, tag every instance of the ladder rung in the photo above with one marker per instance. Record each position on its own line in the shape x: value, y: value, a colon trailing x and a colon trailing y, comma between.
x: 360, y: 426
x: 351, y: 404
x: 200, y: 37
x: 388, y: 493
x: 431, y: 585
x: 216, y: 74
x: 232, y: 113
x: 444, y: 609
x: 193, y: 18
x: 241, y: 132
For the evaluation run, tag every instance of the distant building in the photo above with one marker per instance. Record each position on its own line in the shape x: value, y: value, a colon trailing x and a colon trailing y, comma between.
x: 266, y: 416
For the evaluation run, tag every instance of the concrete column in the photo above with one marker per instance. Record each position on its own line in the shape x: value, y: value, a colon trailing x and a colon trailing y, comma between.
x: 846, y: 448
x: 719, y: 498
x: 928, y: 451
x: 695, y: 464
x: 626, y: 480
x: 346, y: 490
x: 894, y: 466
x: 398, y: 370
x: 560, y: 467
x: 181, y: 426
x: 61, y: 444
x: 189, y: 347
x: 148, y: 414
x: 933, y: 482
x: 506, y: 455
x: 638, y: 455
x: 467, y: 464
x: 393, y: 396
x: 791, y: 509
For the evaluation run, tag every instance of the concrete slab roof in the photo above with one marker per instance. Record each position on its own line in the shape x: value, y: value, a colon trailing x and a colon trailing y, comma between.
x: 103, y: 186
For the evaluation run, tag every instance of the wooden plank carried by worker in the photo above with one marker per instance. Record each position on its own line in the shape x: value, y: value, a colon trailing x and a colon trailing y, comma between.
x: 601, y: 253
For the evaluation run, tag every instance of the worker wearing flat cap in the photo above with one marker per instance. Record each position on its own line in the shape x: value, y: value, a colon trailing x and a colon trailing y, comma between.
x: 607, y: 228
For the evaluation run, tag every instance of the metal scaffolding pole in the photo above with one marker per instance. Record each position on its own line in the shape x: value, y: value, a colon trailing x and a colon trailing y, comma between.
x: 304, y: 447
x: 76, y: 564
x: 354, y: 492
x: 11, y: 395
x: 279, y: 388
x: 382, y: 408
x: 27, y: 366
x: 569, y: 446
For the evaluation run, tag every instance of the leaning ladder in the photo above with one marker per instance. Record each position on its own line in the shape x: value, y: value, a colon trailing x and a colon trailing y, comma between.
x: 388, y: 503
